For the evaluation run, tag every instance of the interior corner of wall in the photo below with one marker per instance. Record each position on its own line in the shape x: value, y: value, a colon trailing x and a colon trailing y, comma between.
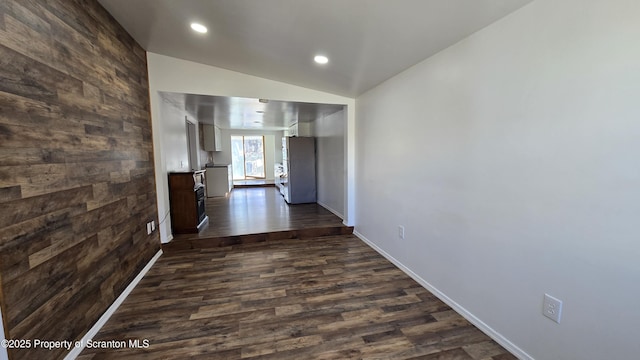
x: 4, y: 355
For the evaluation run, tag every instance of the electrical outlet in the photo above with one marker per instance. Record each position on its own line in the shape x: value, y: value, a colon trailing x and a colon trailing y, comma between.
x: 149, y: 228
x: 552, y: 308
x: 401, y: 232
x: 153, y: 225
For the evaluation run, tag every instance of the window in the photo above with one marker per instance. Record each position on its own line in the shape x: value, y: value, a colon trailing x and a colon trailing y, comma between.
x: 247, y: 157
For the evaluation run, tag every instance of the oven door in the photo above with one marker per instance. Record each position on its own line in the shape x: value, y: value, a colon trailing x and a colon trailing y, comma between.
x: 200, y: 198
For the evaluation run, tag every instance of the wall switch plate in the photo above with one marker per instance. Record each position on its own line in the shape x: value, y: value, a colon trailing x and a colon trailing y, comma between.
x: 401, y: 232
x: 148, y: 228
x: 552, y: 308
x: 153, y: 225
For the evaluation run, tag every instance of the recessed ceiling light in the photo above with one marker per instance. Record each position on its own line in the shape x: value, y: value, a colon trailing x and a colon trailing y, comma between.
x: 321, y: 59
x: 199, y: 28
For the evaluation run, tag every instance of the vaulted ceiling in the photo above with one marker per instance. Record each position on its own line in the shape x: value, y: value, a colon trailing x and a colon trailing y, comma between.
x: 366, y: 41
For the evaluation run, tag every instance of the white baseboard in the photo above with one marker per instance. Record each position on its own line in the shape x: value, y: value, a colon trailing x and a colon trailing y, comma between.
x: 73, y: 354
x: 497, y: 337
x: 336, y: 213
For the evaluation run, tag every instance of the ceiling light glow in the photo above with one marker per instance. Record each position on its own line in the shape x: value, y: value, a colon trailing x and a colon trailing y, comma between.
x: 199, y: 28
x: 321, y: 59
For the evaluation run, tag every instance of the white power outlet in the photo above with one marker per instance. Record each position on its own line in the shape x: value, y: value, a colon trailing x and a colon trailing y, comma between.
x: 552, y: 308
x: 401, y: 232
x: 153, y: 225
x: 149, y: 228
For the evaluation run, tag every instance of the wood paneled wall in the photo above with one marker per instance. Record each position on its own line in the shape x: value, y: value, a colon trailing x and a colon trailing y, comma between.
x: 76, y: 168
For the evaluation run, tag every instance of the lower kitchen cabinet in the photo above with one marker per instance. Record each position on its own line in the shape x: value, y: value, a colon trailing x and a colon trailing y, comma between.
x: 187, y: 201
x: 219, y: 180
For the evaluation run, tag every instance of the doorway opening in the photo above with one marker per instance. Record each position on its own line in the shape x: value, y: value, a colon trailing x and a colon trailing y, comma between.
x: 247, y: 157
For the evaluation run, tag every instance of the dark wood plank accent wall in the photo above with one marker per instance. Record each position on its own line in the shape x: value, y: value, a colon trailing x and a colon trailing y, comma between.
x: 76, y: 168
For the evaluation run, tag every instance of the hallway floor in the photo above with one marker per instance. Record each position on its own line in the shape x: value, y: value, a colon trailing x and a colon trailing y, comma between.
x: 320, y: 298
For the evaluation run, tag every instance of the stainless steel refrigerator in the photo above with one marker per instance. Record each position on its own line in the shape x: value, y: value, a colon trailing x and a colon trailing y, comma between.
x: 299, y: 160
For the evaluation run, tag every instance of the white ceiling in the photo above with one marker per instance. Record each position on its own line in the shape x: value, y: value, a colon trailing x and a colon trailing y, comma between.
x: 367, y: 41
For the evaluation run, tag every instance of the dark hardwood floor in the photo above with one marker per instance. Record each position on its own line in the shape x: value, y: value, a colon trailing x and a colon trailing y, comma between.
x: 329, y: 297
x: 261, y: 212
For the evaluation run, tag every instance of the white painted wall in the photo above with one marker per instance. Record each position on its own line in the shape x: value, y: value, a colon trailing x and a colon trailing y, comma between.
x: 512, y: 160
x: 272, y: 148
x: 181, y: 76
x: 170, y: 154
x: 330, y: 144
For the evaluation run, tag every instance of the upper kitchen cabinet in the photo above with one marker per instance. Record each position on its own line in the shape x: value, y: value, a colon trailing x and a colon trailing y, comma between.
x: 212, y: 138
x: 300, y: 129
x: 293, y: 130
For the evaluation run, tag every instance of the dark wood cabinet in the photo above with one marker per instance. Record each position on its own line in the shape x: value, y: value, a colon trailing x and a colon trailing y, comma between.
x: 187, y: 198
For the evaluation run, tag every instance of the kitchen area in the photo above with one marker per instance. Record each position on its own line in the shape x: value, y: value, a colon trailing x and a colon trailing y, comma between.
x: 302, y: 161
x: 290, y: 161
x: 219, y: 177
